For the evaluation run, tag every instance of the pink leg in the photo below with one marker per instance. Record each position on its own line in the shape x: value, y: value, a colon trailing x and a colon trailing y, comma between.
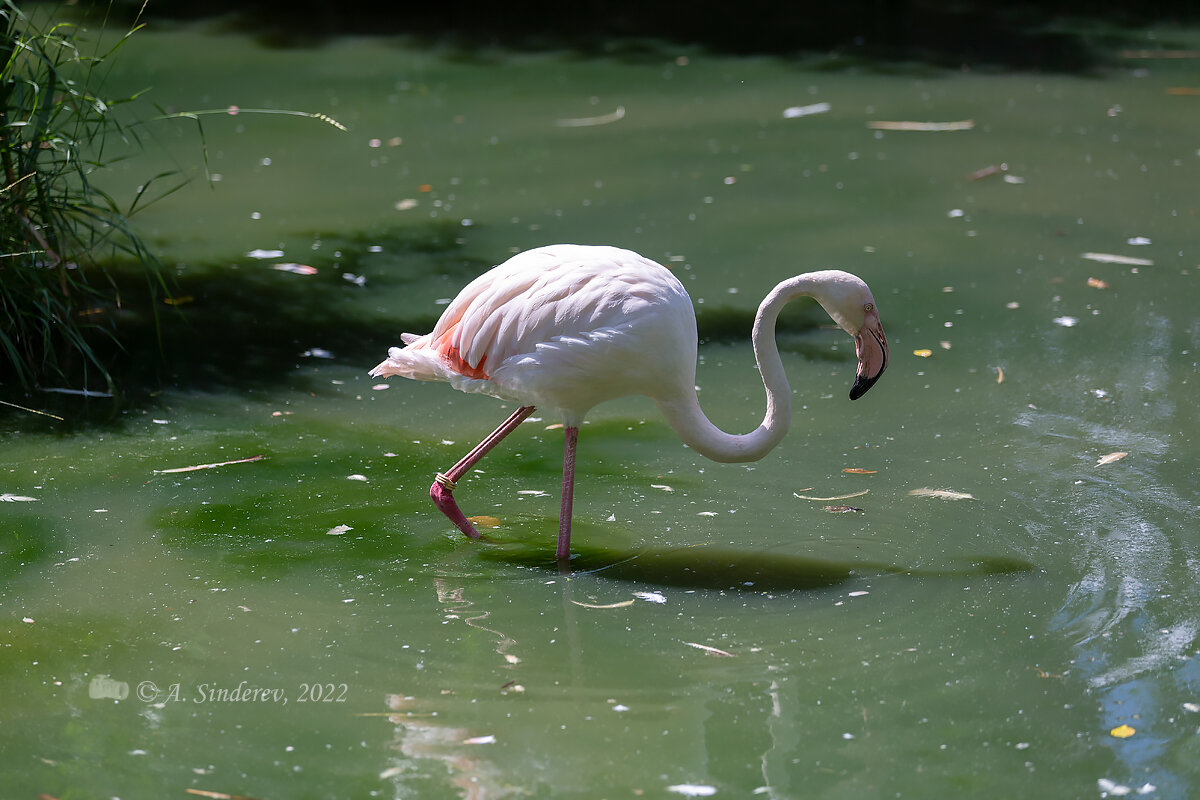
x: 568, y: 494
x: 444, y: 485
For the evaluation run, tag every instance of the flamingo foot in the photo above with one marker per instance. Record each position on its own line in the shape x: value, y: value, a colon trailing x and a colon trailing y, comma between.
x: 441, y: 495
x: 443, y: 486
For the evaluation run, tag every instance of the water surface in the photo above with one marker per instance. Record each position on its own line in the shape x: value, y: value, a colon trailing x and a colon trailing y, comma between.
x: 918, y: 646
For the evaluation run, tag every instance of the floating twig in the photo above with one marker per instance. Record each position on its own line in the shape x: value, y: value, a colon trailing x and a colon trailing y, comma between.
x: 32, y: 410
x: 906, y: 125
x: 1112, y: 258
x: 826, y: 499
x: 712, y: 651
x: 621, y: 604
x: 209, y: 466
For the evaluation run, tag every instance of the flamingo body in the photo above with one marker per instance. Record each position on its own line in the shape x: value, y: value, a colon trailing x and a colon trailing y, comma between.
x: 566, y: 327
x: 563, y: 327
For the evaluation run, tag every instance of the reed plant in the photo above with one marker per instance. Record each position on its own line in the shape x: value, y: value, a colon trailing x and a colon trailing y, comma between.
x: 60, y: 234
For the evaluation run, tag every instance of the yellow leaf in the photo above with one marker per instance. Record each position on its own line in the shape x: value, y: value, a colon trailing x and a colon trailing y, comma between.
x: 923, y: 353
x: 859, y: 471
x: 1123, y: 731
x: 1110, y: 458
x: 1096, y: 283
x: 485, y: 521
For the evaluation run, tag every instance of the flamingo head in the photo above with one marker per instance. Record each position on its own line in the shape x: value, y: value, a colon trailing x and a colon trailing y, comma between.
x: 848, y: 300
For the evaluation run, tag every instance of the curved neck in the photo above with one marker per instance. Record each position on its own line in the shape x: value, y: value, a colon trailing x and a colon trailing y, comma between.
x: 685, y: 416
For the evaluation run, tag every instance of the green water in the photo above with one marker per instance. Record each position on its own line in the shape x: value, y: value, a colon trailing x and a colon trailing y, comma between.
x: 917, y: 647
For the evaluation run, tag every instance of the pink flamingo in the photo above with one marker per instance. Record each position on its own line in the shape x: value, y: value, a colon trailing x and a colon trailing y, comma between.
x: 569, y: 326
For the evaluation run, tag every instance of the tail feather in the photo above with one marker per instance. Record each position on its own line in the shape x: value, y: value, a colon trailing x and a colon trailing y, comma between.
x: 410, y: 362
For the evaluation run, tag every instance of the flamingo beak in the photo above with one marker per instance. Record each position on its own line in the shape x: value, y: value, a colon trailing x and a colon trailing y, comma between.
x: 872, y: 348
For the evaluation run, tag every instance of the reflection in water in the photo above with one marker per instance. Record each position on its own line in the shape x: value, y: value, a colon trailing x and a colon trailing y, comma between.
x: 457, y: 608
x: 1134, y: 615
x: 421, y: 736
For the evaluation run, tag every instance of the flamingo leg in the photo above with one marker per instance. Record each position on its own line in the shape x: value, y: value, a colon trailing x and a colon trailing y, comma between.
x: 568, y: 495
x: 443, y: 486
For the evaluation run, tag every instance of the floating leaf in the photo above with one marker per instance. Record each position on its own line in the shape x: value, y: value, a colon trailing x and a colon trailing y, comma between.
x: 1096, y: 283
x: 661, y: 486
x: 216, y: 795
x: 586, y: 122
x: 803, y: 111
x: 621, y: 604
x: 295, y: 269
x: 712, y: 651
x: 859, y: 471
x: 827, y: 499
x: 1123, y: 731
x: 999, y: 375
x: 924, y: 352
x: 1110, y: 458
x: 980, y: 174
x: 944, y: 494
x: 841, y: 509
x: 484, y: 521
x: 338, y: 530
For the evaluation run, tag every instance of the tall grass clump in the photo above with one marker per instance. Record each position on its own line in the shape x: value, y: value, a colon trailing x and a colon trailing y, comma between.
x: 59, y: 233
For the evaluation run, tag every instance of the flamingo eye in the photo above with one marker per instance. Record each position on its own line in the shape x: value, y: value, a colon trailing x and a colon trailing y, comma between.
x: 869, y: 307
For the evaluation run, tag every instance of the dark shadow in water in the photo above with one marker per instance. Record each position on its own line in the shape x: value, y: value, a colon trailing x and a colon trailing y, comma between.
x: 705, y: 567
x: 246, y: 326
x: 1060, y: 35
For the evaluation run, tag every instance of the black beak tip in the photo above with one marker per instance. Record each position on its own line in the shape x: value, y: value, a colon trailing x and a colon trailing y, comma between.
x: 861, y: 385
